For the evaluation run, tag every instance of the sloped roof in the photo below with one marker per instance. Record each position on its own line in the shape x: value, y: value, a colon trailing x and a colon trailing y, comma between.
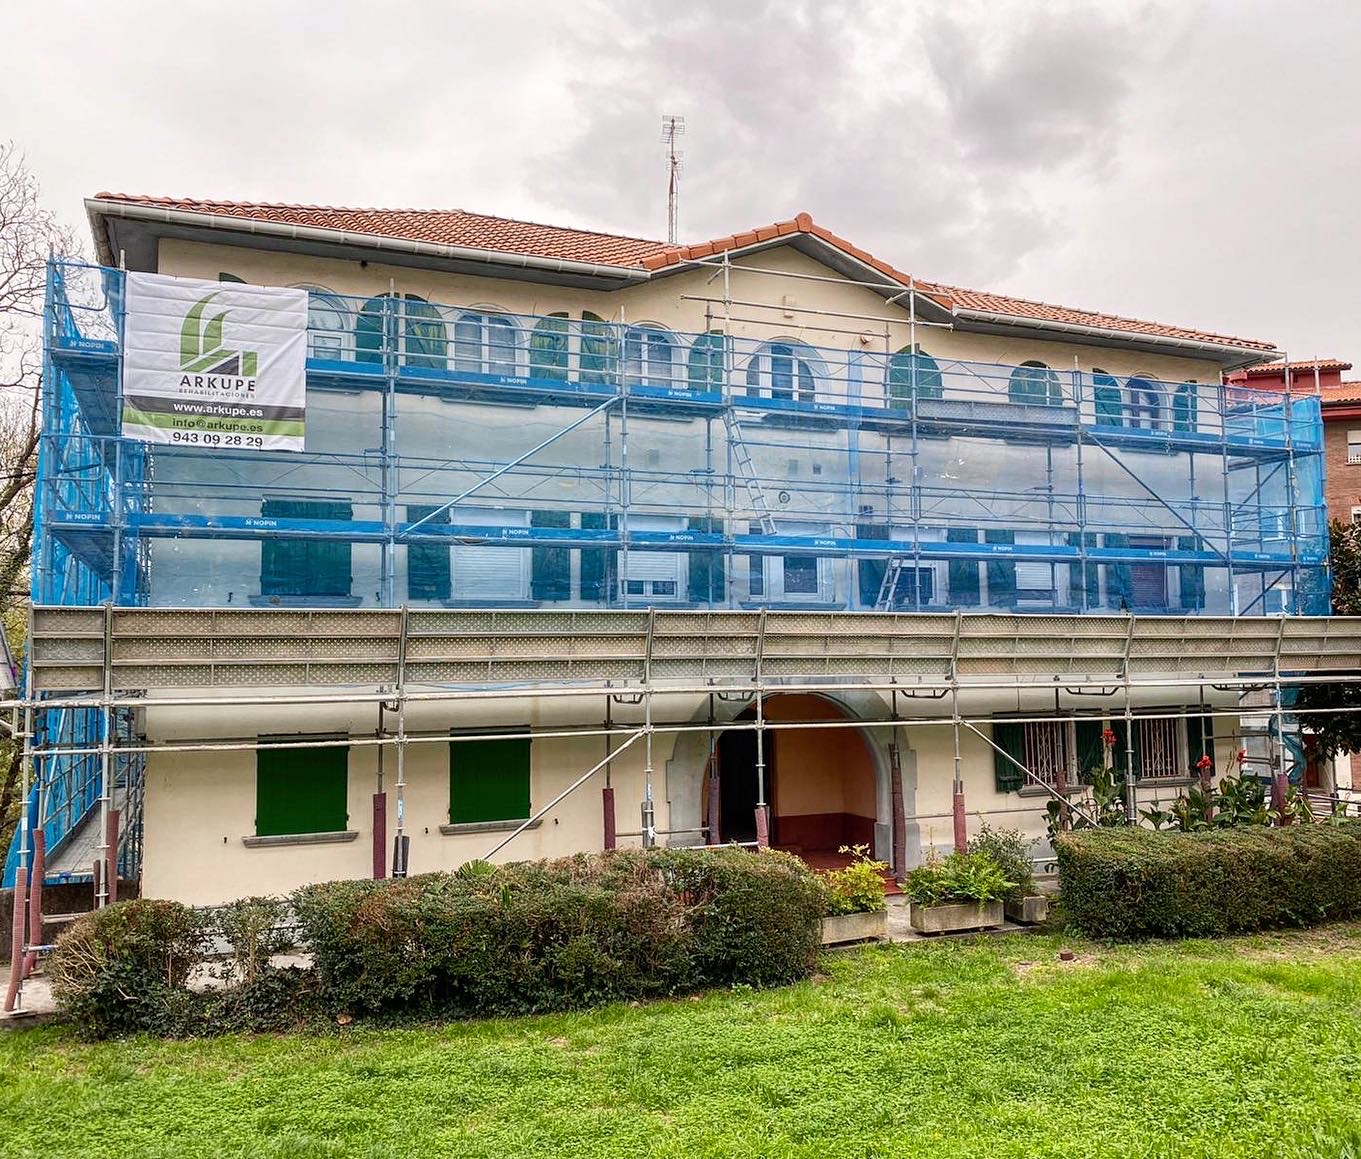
x: 501, y: 235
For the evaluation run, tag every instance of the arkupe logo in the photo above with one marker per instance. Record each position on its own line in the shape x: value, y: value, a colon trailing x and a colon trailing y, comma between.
x: 201, y: 349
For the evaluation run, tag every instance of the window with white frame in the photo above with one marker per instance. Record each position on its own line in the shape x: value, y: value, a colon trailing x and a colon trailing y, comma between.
x: 652, y: 575
x: 328, y: 323
x: 1145, y: 403
x: 649, y: 356
x: 1354, y: 446
x: 486, y: 343
x: 783, y: 370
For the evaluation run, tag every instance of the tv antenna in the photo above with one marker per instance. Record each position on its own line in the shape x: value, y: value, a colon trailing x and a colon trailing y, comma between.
x: 672, y: 127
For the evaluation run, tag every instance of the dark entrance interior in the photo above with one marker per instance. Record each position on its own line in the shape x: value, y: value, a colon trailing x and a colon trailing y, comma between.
x: 737, y: 782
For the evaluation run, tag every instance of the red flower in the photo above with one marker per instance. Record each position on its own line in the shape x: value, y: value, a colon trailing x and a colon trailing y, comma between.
x: 1108, y: 738
x: 1204, y: 763
x: 1242, y: 756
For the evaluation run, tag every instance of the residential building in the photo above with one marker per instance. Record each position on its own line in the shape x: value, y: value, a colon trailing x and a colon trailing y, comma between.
x: 595, y: 539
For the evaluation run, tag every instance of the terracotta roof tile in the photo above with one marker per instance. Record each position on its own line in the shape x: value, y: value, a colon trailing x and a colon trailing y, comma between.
x: 1348, y: 392
x: 454, y: 227
x: 457, y: 227
x: 1304, y: 365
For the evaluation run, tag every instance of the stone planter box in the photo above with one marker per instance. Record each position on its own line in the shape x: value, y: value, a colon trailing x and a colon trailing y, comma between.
x: 854, y: 928
x: 1029, y: 911
x: 952, y: 919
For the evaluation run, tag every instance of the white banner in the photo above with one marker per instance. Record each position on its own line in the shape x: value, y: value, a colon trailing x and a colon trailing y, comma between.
x: 214, y: 364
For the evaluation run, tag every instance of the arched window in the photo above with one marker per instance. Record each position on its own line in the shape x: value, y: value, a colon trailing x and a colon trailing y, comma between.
x: 705, y: 363
x: 784, y: 370
x: 548, y: 347
x: 599, y: 349
x: 1145, y: 402
x: 1034, y: 384
x: 328, y: 323
x: 1184, y: 404
x: 425, y: 340
x: 486, y: 344
x: 649, y: 356
x: 424, y: 336
x: 1110, y: 400
x: 912, y: 372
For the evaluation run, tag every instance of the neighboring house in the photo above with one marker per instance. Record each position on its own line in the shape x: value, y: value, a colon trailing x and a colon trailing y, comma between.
x: 618, y: 489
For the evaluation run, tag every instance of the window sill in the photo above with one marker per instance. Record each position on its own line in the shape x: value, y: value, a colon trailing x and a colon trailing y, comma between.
x: 338, y: 837
x: 263, y: 601
x: 464, y: 827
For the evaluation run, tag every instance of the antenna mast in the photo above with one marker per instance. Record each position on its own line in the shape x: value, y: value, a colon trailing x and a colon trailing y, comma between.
x: 672, y: 127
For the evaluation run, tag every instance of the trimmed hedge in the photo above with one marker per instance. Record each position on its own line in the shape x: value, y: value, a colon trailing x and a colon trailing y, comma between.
x: 1132, y: 883
x: 488, y: 940
x: 558, y: 935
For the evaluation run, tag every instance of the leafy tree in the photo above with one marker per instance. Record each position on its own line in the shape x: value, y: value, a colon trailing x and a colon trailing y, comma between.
x: 1338, y: 728
x: 29, y: 234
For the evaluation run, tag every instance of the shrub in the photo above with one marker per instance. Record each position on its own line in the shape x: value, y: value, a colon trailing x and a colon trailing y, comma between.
x: 123, y: 968
x: 1010, y: 851
x: 960, y: 879
x: 1133, y: 883
x: 560, y: 934
x: 255, y: 930
x: 857, y: 888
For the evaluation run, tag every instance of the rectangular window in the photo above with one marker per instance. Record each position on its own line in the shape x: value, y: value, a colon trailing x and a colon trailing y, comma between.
x: 708, y: 578
x: 428, y: 575
x: 912, y: 587
x: 756, y: 565
x: 489, y: 780
x: 800, y: 575
x: 301, y: 790
x: 550, y: 567
x: 305, y: 567
x: 1354, y: 446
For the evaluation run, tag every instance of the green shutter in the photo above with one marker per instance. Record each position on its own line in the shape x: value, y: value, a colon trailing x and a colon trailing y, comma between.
x: 705, y: 363
x: 1118, y: 753
x: 1191, y: 576
x: 1010, y: 738
x: 488, y: 780
x: 598, y: 564
x: 870, y: 572
x: 548, y: 350
x: 1001, y: 572
x: 1091, y: 752
x: 427, y: 564
x: 1184, y: 405
x: 1110, y: 408
x: 1119, y: 582
x: 550, y: 568
x: 1200, y: 742
x: 599, y: 349
x: 708, y: 575
x: 304, y: 567
x: 300, y: 790
x: 963, y: 573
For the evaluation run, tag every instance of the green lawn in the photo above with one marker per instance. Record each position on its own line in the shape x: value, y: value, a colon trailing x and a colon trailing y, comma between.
x: 1249, y: 1047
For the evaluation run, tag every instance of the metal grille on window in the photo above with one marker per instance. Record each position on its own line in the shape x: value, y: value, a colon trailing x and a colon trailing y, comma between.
x: 1048, y: 747
x: 1160, y: 749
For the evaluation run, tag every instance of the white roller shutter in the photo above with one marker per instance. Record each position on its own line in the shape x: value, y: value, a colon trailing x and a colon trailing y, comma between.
x: 489, y: 573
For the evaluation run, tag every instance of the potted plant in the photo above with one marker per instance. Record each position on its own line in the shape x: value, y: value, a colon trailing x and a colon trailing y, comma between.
x: 961, y: 892
x: 1010, y: 849
x: 855, y: 910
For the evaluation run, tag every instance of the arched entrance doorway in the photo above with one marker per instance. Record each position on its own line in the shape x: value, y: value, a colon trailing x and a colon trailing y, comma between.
x: 820, y: 783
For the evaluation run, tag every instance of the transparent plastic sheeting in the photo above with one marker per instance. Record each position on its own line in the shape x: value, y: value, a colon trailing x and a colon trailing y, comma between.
x: 459, y: 459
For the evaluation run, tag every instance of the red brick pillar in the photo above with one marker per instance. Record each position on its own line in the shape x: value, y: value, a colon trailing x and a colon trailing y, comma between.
x: 35, y: 898
x: 607, y: 809
x: 1280, y: 785
x: 380, y: 836
x: 715, y: 809
x: 763, y: 826
x: 899, y: 815
x: 961, y: 824
x: 111, y: 870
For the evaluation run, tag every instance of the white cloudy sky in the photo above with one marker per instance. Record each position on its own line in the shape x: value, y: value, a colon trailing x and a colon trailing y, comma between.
x: 1193, y: 161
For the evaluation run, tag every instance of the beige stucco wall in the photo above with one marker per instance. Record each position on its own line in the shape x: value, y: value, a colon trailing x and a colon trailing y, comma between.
x: 199, y: 805
x: 670, y: 301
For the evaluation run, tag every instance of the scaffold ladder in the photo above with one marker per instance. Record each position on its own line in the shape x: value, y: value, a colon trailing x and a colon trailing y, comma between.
x: 888, y: 587
x: 742, y: 457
